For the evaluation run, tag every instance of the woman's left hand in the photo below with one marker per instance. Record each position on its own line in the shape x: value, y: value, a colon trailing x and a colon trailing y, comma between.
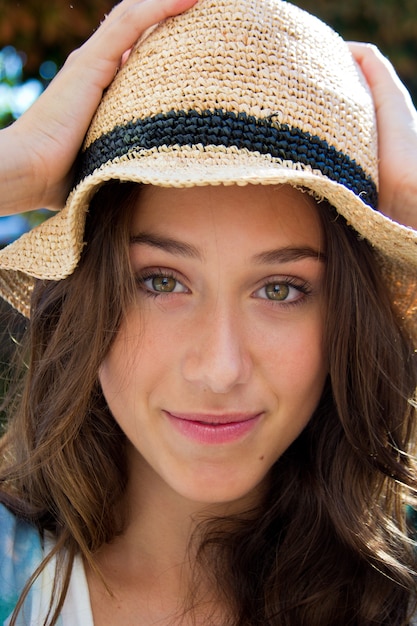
x: 397, y: 135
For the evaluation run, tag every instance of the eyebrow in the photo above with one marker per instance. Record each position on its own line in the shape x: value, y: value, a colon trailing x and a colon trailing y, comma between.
x: 173, y: 246
x: 288, y: 254
x: 278, y: 255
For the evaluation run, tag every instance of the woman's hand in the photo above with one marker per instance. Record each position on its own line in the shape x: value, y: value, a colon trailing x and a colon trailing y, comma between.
x: 397, y: 131
x: 37, y: 151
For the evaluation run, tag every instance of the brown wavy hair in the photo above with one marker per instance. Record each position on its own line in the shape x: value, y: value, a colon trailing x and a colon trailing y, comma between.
x: 330, y: 543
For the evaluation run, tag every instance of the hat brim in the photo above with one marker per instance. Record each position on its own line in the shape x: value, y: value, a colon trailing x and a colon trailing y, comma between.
x: 52, y: 250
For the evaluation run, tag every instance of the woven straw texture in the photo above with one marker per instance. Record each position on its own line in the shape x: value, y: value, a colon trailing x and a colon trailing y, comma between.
x: 233, y: 91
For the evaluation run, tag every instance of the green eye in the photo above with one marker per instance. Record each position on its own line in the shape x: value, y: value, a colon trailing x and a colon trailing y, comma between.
x: 277, y: 291
x: 159, y: 283
x: 164, y: 284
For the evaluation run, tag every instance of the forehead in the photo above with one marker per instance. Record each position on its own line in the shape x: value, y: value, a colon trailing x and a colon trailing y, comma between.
x: 252, y: 213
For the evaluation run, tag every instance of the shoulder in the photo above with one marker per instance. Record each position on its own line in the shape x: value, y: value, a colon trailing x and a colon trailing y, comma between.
x: 20, y: 554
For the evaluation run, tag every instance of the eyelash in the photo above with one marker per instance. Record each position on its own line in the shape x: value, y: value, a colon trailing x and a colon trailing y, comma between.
x: 303, y: 287
x: 159, y: 273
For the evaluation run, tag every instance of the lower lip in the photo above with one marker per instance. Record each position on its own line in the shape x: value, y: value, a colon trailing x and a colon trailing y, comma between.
x: 203, y: 432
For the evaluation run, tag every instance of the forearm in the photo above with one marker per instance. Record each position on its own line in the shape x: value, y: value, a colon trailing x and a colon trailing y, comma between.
x: 19, y: 187
x: 404, y: 208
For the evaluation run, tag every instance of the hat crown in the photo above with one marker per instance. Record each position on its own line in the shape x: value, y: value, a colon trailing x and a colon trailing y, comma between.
x: 263, y: 60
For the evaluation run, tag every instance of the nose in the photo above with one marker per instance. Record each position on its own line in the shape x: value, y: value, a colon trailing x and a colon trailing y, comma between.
x: 217, y: 357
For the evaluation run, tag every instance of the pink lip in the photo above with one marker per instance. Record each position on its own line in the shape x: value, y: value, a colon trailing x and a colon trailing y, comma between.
x: 212, y: 428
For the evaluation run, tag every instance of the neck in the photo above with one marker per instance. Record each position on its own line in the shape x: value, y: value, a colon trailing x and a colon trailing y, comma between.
x: 156, y: 552
x: 161, y: 522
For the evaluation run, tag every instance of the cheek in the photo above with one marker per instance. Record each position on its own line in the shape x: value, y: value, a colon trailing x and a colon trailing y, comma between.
x: 296, y: 375
x: 117, y: 371
x: 305, y: 365
x: 113, y: 383
x: 135, y: 359
x: 294, y: 355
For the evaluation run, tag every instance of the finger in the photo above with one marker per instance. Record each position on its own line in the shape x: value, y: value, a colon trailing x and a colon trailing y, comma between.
x: 381, y: 77
x: 126, y: 23
x: 374, y: 64
x: 125, y: 56
x: 92, y: 67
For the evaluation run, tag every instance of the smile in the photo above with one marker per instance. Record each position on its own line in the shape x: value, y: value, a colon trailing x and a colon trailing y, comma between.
x: 214, y: 429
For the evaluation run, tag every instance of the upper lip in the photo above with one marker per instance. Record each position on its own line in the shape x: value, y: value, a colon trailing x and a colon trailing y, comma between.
x: 215, y: 418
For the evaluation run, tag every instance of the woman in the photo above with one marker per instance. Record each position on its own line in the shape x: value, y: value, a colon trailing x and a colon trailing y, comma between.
x: 216, y: 426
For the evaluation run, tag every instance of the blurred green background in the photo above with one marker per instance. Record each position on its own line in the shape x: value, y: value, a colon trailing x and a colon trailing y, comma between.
x: 37, y: 35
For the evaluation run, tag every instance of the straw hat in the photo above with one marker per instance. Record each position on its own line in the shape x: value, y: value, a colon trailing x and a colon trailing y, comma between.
x: 232, y: 91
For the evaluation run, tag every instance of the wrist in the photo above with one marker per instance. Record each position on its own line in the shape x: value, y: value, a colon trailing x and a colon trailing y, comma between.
x: 402, y: 206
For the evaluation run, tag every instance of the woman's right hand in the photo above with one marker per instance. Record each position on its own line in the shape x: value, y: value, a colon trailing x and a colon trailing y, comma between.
x: 37, y: 152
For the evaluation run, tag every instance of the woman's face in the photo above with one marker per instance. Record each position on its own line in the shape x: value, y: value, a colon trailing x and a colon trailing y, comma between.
x: 219, y: 364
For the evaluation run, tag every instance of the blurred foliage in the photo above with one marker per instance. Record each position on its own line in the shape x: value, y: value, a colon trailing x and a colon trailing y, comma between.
x: 16, y: 92
x: 48, y: 29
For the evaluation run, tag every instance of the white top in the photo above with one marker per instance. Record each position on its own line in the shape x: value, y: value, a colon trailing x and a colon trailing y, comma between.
x: 77, y: 607
x: 21, y: 551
